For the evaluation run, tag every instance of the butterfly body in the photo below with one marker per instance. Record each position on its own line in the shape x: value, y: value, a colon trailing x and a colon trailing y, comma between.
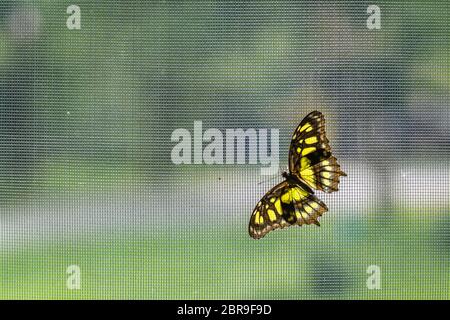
x: 311, y: 166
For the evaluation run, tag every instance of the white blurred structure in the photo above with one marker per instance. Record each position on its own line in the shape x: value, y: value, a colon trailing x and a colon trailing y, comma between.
x: 25, y: 23
x: 212, y: 197
x: 422, y: 185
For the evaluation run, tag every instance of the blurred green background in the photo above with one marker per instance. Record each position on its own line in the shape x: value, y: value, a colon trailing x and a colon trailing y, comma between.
x: 86, y: 176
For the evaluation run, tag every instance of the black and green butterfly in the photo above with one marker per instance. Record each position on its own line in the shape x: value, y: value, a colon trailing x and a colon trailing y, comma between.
x: 311, y: 166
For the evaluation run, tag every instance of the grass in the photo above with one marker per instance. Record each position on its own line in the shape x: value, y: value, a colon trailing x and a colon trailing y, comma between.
x: 222, y: 262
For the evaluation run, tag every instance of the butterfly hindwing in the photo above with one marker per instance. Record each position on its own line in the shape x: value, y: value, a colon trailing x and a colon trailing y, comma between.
x: 283, y: 206
x: 323, y: 175
x: 310, y: 157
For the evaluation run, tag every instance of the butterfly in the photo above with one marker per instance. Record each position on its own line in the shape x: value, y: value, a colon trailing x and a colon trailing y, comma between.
x: 311, y: 166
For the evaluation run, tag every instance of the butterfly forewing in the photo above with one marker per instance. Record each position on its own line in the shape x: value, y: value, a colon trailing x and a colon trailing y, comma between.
x: 310, y: 157
x: 283, y: 206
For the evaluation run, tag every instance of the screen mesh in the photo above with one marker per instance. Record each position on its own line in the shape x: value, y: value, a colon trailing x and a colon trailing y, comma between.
x: 93, y: 203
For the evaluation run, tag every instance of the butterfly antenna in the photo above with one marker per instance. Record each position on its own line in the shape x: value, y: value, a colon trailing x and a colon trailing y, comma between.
x: 282, y: 169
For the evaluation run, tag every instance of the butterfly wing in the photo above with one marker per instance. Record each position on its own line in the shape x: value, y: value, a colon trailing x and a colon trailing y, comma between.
x: 310, y: 157
x: 283, y: 206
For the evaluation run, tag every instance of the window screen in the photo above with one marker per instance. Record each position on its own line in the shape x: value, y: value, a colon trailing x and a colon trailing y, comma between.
x: 137, y: 137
